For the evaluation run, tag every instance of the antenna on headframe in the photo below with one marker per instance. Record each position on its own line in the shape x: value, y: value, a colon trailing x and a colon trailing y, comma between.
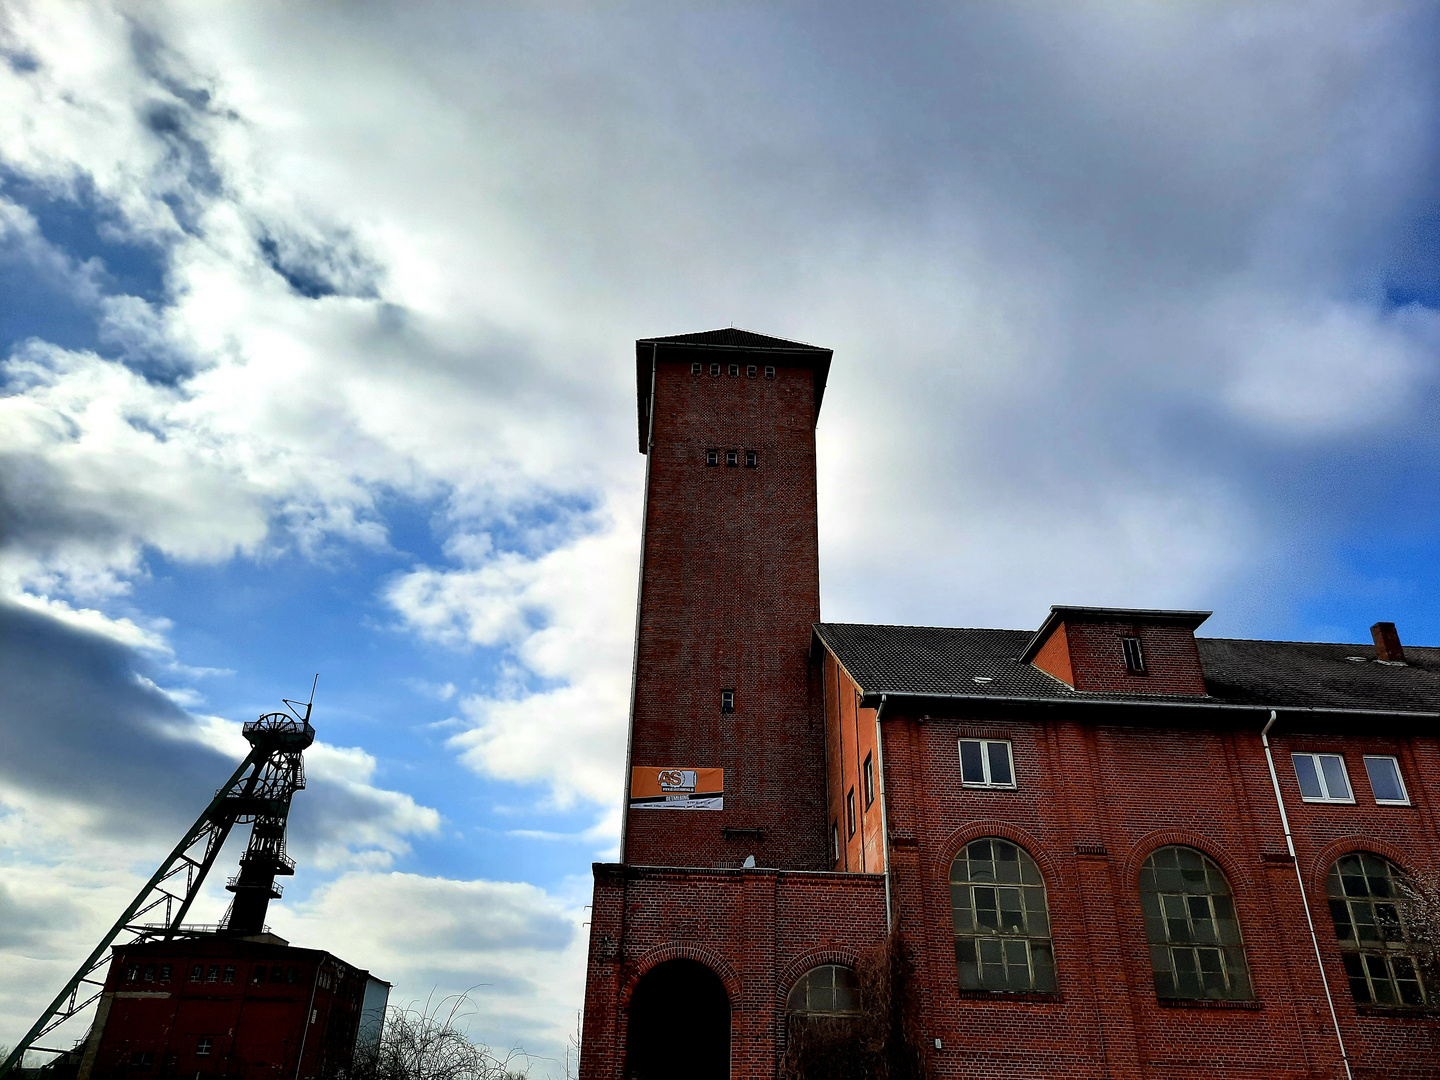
x: 308, y: 705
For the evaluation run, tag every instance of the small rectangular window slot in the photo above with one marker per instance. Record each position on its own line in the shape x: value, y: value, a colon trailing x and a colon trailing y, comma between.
x: 751, y: 459
x: 712, y: 457
x: 747, y: 832
x: 751, y: 370
x: 1134, y: 655
x: 1322, y: 778
x: 769, y: 373
x: 835, y: 842
x: 986, y: 763
x: 714, y: 369
x: 734, y: 370
x: 850, y: 812
x: 868, y: 776
x: 732, y: 457
x: 727, y: 701
x: 697, y: 368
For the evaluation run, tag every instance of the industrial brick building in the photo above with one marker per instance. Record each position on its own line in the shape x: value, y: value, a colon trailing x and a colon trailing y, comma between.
x: 1102, y: 844
x: 211, y: 1004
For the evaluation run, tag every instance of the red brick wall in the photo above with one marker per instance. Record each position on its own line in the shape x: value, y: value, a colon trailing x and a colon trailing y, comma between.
x: 759, y: 930
x: 1054, y: 656
x: 730, y: 589
x: 1092, y: 803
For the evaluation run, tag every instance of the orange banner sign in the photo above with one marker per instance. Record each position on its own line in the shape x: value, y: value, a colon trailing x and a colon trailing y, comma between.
x: 676, y: 789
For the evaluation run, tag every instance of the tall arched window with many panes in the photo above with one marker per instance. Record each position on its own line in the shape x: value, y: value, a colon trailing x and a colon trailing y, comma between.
x: 1196, y: 950
x: 1380, y: 931
x: 1002, y: 921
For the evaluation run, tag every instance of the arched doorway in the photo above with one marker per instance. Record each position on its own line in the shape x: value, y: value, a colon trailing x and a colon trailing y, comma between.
x: 679, y: 1024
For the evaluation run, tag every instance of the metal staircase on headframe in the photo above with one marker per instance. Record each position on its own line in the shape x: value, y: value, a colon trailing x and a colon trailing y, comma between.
x: 258, y: 793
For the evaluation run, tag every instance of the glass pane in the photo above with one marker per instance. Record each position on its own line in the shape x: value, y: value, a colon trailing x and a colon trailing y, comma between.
x: 987, y: 913
x: 1187, y: 973
x: 1007, y: 864
x: 1336, y: 782
x: 822, y: 998
x: 1340, y: 914
x: 1043, y: 963
x: 1029, y: 871
x: 969, y: 968
x: 1017, y: 963
x: 1149, y: 903
x: 1305, y: 773
x: 1012, y: 916
x: 1363, y: 915
x: 1380, y: 984
x: 1212, y: 972
x: 972, y: 768
x: 1355, y: 972
x: 999, y: 763
x: 1385, y: 779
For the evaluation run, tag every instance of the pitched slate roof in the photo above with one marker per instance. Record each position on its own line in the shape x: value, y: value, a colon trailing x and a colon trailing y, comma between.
x: 944, y: 661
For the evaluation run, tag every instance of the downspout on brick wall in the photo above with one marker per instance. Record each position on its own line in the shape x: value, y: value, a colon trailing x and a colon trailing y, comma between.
x: 1304, y: 899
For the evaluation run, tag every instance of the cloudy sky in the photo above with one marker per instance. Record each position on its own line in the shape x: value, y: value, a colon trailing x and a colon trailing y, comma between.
x: 316, y: 354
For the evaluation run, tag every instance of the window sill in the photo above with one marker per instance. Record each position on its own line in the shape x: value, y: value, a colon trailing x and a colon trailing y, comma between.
x: 1008, y: 995
x: 1398, y: 1011
x: 1207, y: 1003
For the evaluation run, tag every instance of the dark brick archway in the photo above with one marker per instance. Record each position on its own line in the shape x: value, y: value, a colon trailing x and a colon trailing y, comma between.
x: 679, y: 1024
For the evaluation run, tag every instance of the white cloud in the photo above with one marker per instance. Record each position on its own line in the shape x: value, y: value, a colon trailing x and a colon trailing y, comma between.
x: 518, y: 951
x: 565, y: 618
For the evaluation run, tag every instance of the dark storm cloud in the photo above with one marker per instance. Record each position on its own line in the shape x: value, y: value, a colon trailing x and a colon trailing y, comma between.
x: 78, y: 723
x: 25, y: 924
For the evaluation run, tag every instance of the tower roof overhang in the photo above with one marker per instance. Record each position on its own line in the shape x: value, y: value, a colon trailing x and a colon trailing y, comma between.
x: 729, y: 343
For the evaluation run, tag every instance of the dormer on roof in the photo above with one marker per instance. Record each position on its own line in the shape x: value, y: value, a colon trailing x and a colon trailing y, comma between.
x: 1119, y: 650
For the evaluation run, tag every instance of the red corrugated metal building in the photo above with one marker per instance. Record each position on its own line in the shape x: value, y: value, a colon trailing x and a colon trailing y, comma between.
x: 221, y: 1005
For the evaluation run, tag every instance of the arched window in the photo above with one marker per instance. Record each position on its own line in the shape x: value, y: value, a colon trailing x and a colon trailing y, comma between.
x: 1002, y: 923
x: 1376, y: 924
x: 1195, y: 945
x: 827, y: 990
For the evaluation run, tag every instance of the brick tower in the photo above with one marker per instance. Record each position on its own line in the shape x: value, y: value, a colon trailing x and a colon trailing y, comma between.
x: 724, y: 713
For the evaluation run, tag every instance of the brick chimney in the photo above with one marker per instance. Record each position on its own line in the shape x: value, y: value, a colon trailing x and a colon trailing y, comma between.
x: 1387, y: 643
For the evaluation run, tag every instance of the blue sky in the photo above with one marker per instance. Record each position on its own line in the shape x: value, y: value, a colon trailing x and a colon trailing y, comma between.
x: 316, y: 330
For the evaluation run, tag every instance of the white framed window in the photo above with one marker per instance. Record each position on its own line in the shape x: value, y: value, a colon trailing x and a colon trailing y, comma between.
x: 734, y: 370
x: 696, y: 368
x: 769, y: 373
x: 1386, y: 783
x: 1322, y: 778
x: 751, y: 460
x: 986, y: 763
x: 727, y: 700
x: 868, y: 772
x: 850, y: 812
x: 732, y: 458
x: 835, y: 841
x: 202, y: 1047
x: 714, y: 369
x: 712, y: 456
x: 751, y: 371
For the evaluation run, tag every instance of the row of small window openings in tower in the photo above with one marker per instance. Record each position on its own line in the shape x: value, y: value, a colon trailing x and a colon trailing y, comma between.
x: 751, y: 370
x: 732, y: 457
x: 214, y: 973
